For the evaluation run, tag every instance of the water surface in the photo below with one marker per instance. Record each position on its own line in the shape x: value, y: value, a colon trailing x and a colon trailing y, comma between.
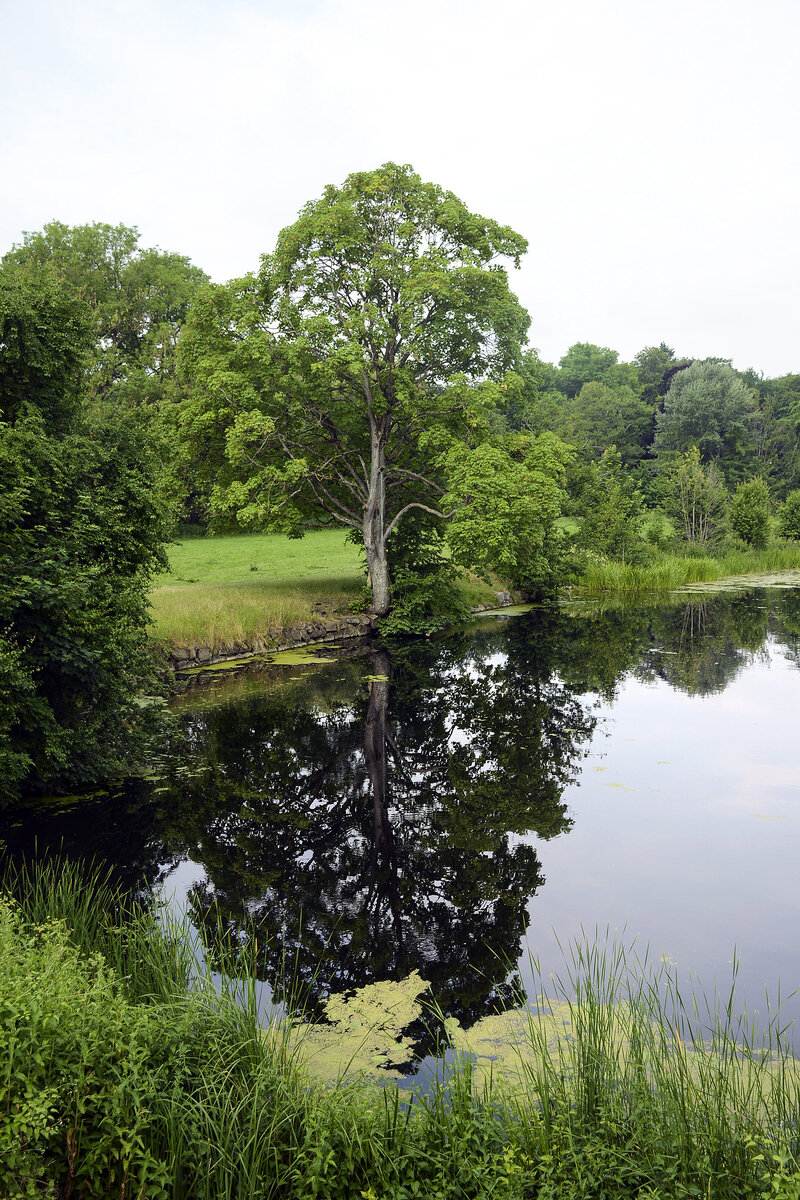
x: 455, y: 807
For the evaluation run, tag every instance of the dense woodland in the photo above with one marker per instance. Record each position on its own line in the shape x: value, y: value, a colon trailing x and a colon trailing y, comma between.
x: 373, y: 373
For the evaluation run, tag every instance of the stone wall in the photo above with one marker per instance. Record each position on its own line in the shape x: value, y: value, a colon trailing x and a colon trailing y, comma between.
x: 325, y: 629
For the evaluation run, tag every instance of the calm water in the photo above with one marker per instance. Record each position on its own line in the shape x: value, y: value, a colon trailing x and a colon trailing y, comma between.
x: 459, y: 806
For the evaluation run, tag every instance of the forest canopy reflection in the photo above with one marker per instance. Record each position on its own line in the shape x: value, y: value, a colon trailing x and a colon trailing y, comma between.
x: 375, y: 837
x: 366, y: 819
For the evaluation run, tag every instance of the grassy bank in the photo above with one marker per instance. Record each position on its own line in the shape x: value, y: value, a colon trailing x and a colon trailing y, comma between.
x: 124, y: 1079
x: 224, y: 591
x: 672, y: 571
x: 227, y: 590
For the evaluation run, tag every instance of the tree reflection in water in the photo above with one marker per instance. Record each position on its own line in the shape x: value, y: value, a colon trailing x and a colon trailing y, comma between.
x: 376, y: 837
x: 365, y: 820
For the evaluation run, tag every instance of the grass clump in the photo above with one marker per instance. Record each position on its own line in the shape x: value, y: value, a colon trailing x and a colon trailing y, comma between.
x: 127, y: 1074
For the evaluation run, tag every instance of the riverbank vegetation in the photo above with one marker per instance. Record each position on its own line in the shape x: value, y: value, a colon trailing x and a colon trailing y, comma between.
x: 233, y: 589
x: 372, y: 377
x: 128, y: 1073
x: 601, y: 576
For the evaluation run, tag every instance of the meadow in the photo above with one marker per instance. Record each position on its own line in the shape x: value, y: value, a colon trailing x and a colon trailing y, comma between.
x: 229, y: 590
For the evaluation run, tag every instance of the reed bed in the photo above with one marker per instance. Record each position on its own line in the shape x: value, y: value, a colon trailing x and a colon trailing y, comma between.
x: 128, y: 1073
x: 673, y: 571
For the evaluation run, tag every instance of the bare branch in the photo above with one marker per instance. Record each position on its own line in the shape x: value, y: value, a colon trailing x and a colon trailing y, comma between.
x: 435, y: 512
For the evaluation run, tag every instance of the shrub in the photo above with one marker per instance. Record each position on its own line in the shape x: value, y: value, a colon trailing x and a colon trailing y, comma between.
x: 789, y: 517
x: 749, y: 513
x: 78, y: 1070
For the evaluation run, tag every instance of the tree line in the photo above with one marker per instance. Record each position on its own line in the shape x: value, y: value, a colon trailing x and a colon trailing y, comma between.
x: 371, y: 374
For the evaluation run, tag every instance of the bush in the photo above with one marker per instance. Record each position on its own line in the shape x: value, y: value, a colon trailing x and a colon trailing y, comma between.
x: 789, y: 517
x: 425, y: 595
x: 79, y: 1070
x: 749, y: 513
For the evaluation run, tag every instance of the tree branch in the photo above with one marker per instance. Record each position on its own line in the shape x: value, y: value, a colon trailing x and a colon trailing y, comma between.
x: 435, y: 512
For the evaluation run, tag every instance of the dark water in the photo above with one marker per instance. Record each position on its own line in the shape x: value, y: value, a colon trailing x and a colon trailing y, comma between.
x: 457, y: 806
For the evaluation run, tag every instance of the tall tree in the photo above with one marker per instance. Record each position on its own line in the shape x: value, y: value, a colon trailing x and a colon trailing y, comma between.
x: 81, y: 527
x: 707, y: 406
x: 359, y: 376
x: 696, y: 497
x: 138, y: 299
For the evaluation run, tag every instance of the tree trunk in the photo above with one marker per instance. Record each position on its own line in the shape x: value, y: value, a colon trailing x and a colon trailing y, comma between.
x: 375, y: 756
x: 375, y: 525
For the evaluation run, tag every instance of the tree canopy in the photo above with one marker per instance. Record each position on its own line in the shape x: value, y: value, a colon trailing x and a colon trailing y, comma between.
x: 707, y: 406
x: 81, y: 530
x: 358, y: 376
x: 137, y: 300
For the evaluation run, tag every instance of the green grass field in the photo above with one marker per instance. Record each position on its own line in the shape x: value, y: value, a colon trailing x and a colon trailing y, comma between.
x: 224, y: 591
x: 228, y: 591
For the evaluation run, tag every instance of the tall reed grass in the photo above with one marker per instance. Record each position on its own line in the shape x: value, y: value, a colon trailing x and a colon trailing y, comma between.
x: 149, y: 1081
x: 674, y: 571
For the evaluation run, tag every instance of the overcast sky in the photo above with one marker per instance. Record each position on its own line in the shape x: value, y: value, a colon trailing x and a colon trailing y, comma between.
x: 648, y: 151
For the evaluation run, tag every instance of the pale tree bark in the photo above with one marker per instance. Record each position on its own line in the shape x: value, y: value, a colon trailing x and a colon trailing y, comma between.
x: 374, y: 526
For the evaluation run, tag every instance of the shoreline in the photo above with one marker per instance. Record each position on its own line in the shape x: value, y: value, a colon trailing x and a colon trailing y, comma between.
x: 327, y: 628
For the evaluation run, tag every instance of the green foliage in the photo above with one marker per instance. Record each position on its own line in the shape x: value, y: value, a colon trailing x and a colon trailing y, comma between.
x: 696, y: 498
x: 652, y: 364
x: 18, y: 709
x: 789, y: 516
x: 80, y: 1070
x: 81, y: 532
x: 586, y: 363
x: 612, y: 510
x: 707, y: 406
x: 749, y: 513
x: 601, y: 416
x: 425, y: 592
x: 658, y: 531
x: 45, y: 336
x: 137, y: 299
x: 505, y: 506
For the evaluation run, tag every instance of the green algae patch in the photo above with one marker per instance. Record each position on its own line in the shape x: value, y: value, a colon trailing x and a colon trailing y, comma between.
x: 227, y: 664
x: 738, y: 583
x: 520, y: 1050
x: 300, y: 656
x: 363, y: 1033
x: 510, y: 610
